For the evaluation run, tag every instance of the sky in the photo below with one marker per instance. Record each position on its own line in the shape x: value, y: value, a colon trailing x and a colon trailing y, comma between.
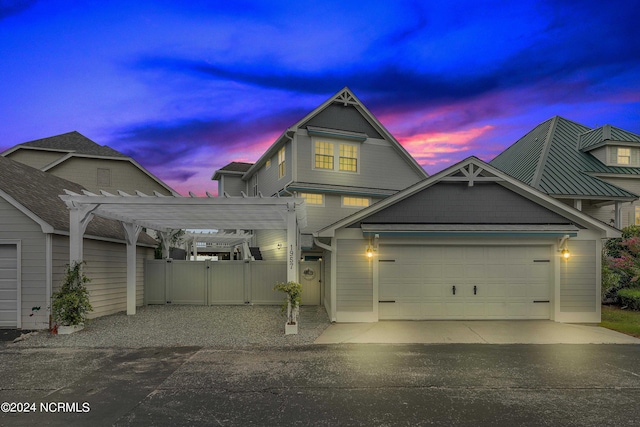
x: 185, y: 87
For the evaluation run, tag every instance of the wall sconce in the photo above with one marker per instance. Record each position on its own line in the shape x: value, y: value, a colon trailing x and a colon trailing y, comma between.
x: 369, y: 252
x: 562, y: 247
x: 279, y: 245
x: 374, y: 248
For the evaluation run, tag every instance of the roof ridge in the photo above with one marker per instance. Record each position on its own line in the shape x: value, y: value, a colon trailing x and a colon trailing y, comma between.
x: 544, y: 155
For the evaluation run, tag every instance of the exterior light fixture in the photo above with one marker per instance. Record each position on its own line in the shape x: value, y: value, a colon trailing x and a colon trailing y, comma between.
x: 562, y: 247
x: 279, y: 245
x: 369, y: 252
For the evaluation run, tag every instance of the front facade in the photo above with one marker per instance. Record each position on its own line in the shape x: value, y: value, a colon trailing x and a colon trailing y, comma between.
x: 423, y: 254
x: 337, y: 158
x: 76, y: 158
x: 596, y: 171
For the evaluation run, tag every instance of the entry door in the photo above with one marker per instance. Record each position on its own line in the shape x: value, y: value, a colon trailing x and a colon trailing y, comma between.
x: 309, y: 272
x: 9, y: 286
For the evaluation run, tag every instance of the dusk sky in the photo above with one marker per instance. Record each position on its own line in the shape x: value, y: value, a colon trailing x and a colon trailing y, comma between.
x: 185, y: 87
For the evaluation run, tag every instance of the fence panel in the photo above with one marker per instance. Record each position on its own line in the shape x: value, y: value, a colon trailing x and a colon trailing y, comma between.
x: 154, y: 281
x: 187, y: 283
x: 227, y: 282
x: 264, y: 275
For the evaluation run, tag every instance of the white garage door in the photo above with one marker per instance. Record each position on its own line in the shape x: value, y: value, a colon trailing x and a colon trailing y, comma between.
x: 8, y: 286
x: 464, y: 282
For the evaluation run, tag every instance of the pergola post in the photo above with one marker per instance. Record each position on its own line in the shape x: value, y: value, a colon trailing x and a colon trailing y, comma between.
x: 79, y: 217
x: 164, y: 241
x: 292, y: 243
x: 131, y: 232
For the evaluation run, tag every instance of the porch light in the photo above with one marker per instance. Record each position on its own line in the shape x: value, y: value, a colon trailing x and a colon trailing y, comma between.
x: 562, y: 247
x: 369, y: 252
x: 565, y: 253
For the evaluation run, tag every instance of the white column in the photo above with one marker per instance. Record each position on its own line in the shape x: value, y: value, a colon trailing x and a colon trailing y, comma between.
x: 577, y: 203
x: 131, y: 232
x: 292, y: 244
x: 618, y: 221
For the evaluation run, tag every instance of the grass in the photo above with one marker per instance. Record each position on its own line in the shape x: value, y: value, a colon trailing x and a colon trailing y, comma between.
x: 625, y: 321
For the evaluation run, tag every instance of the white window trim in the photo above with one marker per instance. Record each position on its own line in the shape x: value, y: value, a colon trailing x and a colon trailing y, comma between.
x: 342, y: 204
x: 267, y: 164
x: 612, y: 157
x: 336, y: 155
x: 284, y: 161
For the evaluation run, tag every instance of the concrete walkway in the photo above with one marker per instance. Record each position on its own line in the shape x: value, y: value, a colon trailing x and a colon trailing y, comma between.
x: 471, y: 332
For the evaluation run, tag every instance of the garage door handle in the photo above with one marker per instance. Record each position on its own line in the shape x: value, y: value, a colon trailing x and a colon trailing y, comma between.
x: 454, y: 289
x: 475, y: 289
x: 386, y: 301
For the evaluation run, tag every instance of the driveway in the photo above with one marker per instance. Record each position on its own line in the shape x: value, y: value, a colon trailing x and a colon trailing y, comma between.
x: 472, y: 332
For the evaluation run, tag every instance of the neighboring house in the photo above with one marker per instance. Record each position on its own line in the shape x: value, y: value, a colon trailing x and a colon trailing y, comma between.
x: 339, y: 158
x: 470, y: 242
x: 76, y: 158
x: 34, y: 248
x: 596, y: 171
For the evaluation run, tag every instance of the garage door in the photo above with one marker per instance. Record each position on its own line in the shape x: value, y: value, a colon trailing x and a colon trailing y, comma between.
x: 464, y: 282
x: 8, y: 286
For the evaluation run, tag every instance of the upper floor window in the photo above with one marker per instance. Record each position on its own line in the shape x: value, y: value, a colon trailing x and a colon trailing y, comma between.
x: 313, y: 198
x: 624, y: 156
x: 267, y: 164
x: 355, y: 202
x: 281, y: 163
x: 325, y: 154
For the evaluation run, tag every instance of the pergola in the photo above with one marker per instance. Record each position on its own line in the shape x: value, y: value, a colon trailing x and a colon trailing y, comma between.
x: 165, y: 214
x: 220, y: 239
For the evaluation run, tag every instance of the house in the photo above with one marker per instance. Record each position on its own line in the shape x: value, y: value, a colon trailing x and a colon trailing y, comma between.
x: 76, y: 158
x: 337, y: 158
x: 596, y: 170
x: 34, y: 249
x: 470, y: 242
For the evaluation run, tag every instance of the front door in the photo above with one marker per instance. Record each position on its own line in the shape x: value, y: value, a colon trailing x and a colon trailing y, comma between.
x: 309, y: 272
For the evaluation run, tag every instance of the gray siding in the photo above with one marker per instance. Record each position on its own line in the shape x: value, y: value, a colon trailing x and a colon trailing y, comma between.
x: 452, y: 203
x: 341, y: 117
x: 35, y: 158
x: 233, y: 185
x: 268, y: 181
x: 14, y: 225
x: 374, y: 157
x: 605, y: 214
x: 354, y: 277
x: 578, y: 278
x: 326, y: 277
x: 319, y: 217
x: 266, y: 241
x: 107, y: 268
x: 600, y: 154
x: 124, y: 175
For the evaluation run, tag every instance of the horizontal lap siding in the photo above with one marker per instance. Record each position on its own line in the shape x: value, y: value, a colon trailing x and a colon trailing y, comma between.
x: 354, y: 277
x: 14, y: 225
x: 107, y: 268
x: 578, y: 278
x: 266, y: 241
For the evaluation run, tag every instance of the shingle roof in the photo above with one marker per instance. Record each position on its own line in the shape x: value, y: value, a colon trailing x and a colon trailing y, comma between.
x: 38, y: 192
x: 75, y: 142
x: 548, y: 158
x: 236, y: 167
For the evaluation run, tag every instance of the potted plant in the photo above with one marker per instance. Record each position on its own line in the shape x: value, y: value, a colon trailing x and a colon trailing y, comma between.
x: 70, y: 303
x: 291, y: 305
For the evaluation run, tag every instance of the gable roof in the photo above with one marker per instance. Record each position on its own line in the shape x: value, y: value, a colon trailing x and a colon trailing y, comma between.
x: 606, y: 134
x: 36, y: 194
x: 470, y: 170
x: 548, y: 159
x: 71, y: 142
x: 233, y: 168
x: 74, y: 144
x: 370, y: 127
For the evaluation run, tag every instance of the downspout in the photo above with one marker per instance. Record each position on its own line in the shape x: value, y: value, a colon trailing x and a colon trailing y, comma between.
x: 49, y: 274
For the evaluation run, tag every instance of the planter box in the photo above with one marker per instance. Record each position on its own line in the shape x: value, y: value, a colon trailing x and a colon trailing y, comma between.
x: 290, y: 329
x: 66, y: 330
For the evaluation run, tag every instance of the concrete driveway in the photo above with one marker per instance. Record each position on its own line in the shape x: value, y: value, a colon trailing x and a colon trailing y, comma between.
x: 471, y: 332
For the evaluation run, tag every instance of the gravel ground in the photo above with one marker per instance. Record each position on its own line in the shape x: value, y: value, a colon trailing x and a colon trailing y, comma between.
x: 187, y: 325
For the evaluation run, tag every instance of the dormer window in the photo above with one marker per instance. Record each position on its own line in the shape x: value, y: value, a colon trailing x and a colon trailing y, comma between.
x: 624, y: 156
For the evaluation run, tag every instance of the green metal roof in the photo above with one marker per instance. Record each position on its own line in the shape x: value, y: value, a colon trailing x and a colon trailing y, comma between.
x: 606, y: 134
x: 549, y: 158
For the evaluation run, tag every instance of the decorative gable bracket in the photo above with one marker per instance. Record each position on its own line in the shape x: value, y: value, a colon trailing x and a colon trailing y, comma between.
x: 470, y: 174
x: 346, y: 98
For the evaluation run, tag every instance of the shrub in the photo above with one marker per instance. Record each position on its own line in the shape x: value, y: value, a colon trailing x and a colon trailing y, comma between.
x: 71, y: 304
x: 630, y: 298
x: 292, y: 300
x: 610, y: 283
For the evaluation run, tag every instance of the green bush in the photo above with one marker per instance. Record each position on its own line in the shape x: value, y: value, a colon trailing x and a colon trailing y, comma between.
x: 630, y: 297
x: 610, y: 283
x: 292, y: 300
x: 71, y: 304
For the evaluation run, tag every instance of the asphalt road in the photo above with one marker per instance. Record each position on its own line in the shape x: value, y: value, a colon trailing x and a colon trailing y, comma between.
x: 352, y: 384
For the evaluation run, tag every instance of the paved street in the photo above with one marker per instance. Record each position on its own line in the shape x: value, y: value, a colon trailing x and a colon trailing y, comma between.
x: 348, y: 384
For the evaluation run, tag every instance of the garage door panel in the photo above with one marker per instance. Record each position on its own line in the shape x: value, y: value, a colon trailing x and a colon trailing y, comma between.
x: 506, y: 278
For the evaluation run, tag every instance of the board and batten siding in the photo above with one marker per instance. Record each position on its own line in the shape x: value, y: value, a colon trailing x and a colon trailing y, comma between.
x: 14, y: 225
x: 124, y: 176
x: 354, y: 285
x: 106, y: 266
x: 374, y: 157
x: 578, y: 278
x: 35, y: 158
